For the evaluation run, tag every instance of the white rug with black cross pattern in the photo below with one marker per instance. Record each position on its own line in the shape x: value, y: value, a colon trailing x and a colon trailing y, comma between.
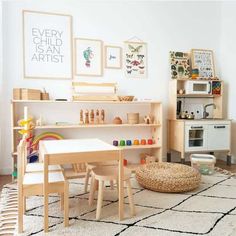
x: 210, y: 210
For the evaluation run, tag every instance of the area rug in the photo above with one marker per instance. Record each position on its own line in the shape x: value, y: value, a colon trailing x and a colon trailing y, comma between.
x: 210, y: 210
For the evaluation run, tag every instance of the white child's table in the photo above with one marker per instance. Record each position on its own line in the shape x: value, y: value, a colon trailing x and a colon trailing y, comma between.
x: 71, y: 151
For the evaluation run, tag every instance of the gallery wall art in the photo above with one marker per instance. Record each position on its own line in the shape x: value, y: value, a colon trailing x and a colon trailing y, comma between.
x: 135, y: 59
x: 203, y: 60
x: 179, y: 65
x: 88, y: 57
x: 113, y: 57
x: 47, y: 45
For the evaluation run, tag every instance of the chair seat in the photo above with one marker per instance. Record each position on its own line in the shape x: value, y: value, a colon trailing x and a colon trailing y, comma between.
x: 109, y: 172
x: 38, y: 178
x: 38, y: 167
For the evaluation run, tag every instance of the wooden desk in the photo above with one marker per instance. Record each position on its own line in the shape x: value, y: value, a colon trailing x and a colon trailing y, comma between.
x: 70, y: 151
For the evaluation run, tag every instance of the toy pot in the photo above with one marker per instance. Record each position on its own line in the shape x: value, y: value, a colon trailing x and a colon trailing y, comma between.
x: 122, y: 142
x: 115, y: 143
x: 142, y: 161
x: 136, y: 142
x: 125, y: 162
x: 150, y: 142
x: 143, y: 141
x: 128, y: 142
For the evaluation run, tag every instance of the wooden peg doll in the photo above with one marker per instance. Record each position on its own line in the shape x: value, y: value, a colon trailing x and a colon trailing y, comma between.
x: 97, y: 117
x: 92, y: 116
x: 102, y: 116
x: 81, y: 119
x: 86, y: 117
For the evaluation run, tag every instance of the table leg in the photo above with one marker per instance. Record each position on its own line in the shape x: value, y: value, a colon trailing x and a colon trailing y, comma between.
x: 121, y: 186
x: 45, y: 193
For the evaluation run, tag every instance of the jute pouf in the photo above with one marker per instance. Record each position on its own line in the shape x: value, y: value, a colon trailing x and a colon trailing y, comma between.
x: 168, y: 177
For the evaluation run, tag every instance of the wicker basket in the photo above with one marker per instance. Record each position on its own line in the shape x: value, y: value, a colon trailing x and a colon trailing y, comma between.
x: 126, y: 98
x: 168, y: 177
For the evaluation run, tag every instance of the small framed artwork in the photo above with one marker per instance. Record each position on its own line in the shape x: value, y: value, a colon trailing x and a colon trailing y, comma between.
x: 113, y: 57
x: 88, y: 57
x: 135, y: 59
x: 47, y: 45
x: 179, y: 65
x: 203, y: 60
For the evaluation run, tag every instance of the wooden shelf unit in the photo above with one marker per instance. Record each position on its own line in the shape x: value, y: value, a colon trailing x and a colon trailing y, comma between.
x: 155, y: 108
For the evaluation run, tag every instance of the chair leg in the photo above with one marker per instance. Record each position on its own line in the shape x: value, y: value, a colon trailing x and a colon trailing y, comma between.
x: 62, y: 201
x: 112, y: 184
x: 24, y: 205
x: 93, y: 188
x: 66, y: 204
x: 100, y: 199
x: 86, y: 180
x: 20, y: 213
x: 131, y: 199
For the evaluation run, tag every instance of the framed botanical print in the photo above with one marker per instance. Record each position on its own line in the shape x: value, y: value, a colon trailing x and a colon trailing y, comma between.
x: 135, y: 59
x: 113, y: 57
x: 203, y: 60
x: 88, y: 57
x: 47, y: 45
x: 179, y: 65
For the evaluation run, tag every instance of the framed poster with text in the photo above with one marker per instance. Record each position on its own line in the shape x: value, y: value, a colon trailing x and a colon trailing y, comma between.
x: 47, y: 45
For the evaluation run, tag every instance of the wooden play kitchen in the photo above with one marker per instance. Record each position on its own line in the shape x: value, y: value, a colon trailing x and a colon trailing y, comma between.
x: 196, y: 121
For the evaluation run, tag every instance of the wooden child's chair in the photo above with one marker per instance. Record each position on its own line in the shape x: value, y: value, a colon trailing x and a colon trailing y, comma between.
x: 100, y: 174
x: 30, y: 184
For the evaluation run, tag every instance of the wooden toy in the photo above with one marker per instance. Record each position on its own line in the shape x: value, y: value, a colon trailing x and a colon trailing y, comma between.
x: 122, y: 142
x: 92, y: 116
x: 128, y: 142
x: 150, y: 141
x: 81, y: 119
x: 115, y: 143
x: 39, y: 121
x: 148, y: 119
x: 117, y: 121
x: 102, y: 120
x: 143, y: 142
x: 133, y: 118
x: 125, y: 162
x: 97, y: 117
x: 136, y: 142
x: 86, y: 117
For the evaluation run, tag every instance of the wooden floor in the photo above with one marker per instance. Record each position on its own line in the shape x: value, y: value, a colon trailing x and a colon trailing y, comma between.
x: 4, y: 179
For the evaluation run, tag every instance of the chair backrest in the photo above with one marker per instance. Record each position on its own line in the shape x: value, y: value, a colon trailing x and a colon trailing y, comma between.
x: 21, y: 159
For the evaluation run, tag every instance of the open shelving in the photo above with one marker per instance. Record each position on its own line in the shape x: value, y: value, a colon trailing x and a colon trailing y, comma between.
x: 155, y: 129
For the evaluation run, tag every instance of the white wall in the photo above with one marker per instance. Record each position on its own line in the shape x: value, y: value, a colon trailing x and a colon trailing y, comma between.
x: 164, y: 26
x: 227, y: 59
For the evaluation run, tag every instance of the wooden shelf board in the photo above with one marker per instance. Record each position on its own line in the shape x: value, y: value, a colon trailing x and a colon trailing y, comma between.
x: 147, y: 146
x: 99, y: 102
x: 197, y: 96
x: 90, y: 126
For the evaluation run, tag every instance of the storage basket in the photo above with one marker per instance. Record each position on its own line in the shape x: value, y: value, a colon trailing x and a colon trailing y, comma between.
x: 133, y: 118
x: 204, y: 163
x: 30, y: 94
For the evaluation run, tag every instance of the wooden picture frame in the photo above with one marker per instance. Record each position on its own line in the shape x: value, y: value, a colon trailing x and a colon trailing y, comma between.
x: 88, y: 57
x: 203, y: 60
x: 47, y: 45
x: 113, y: 57
x: 135, y: 59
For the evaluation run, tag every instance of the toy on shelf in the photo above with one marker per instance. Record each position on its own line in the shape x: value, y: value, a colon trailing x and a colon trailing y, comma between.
x: 117, y: 120
x: 81, y: 117
x: 102, y: 120
x: 115, y: 143
x: 97, y: 117
x: 136, y: 142
x: 39, y: 121
x: 128, y: 142
x: 92, y: 116
x: 216, y: 87
x: 143, y: 142
x: 133, y: 118
x: 148, y: 119
x: 86, y: 117
x: 125, y: 162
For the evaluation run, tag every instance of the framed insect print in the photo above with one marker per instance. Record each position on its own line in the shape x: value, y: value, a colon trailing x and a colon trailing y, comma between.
x: 113, y: 57
x: 88, y: 57
x: 47, y: 45
x: 179, y: 65
x: 203, y: 60
x: 135, y: 59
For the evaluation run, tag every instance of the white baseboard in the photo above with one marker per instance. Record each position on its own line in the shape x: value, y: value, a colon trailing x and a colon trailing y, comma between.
x: 6, y: 171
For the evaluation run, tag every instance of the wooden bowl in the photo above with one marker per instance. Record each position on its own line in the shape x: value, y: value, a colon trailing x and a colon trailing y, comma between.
x: 126, y: 98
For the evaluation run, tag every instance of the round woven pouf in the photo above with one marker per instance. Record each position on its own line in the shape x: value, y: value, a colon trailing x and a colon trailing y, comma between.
x: 168, y: 177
